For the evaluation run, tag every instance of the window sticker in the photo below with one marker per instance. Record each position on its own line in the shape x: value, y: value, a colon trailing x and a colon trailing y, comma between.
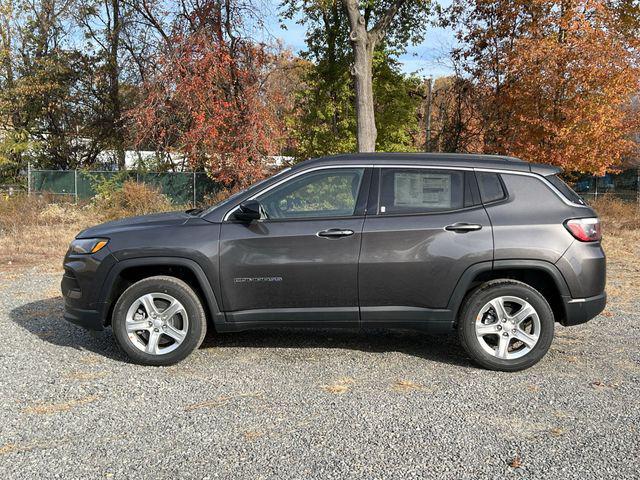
x: 422, y: 190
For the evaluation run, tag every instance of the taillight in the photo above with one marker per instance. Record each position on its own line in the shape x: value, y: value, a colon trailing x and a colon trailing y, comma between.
x: 584, y: 229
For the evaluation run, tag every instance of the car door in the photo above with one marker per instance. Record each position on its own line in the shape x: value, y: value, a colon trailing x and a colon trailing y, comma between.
x: 428, y: 226
x: 300, y: 262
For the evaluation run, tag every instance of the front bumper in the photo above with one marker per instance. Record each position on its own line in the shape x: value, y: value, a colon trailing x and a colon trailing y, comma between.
x: 81, y: 284
x: 89, y: 319
x: 581, y: 310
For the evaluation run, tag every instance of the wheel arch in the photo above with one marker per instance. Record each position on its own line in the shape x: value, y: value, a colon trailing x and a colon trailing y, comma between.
x: 126, y: 272
x: 543, y: 276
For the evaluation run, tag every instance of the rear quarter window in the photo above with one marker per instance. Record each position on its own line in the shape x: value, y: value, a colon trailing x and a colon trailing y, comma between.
x: 565, y: 189
x: 491, y: 188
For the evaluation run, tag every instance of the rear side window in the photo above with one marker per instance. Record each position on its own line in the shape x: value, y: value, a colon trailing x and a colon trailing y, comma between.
x: 421, y: 190
x: 491, y: 188
x: 565, y: 189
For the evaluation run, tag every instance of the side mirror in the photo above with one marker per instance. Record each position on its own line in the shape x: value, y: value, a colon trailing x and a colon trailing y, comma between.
x: 249, y: 211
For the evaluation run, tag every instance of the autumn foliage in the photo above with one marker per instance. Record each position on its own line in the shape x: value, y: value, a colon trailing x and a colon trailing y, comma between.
x: 207, y: 102
x: 554, y: 80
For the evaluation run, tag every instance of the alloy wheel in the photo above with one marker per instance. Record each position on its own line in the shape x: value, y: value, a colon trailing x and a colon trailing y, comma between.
x: 507, y: 327
x: 157, y: 323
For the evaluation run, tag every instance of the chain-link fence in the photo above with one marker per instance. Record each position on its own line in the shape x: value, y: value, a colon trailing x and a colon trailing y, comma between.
x: 194, y: 187
x: 180, y: 187
x: 623, y: 185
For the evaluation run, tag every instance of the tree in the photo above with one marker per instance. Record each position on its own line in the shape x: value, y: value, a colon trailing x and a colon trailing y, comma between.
x: 40, y: 111
x: 456, y: 125
x: 329, y: 120
x: 206, y: 100
x: 103, y: 22
x: 369, y: 25
x: 555, y: 80
x: 362, y: 28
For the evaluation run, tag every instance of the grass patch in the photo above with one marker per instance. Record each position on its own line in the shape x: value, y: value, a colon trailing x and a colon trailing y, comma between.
x: 47, y: 408
x: 36, y: 230
x: 407, y: 386
x: 338, y: 388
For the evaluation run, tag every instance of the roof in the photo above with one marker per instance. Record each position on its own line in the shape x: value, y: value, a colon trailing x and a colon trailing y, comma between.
x: 435, y: 159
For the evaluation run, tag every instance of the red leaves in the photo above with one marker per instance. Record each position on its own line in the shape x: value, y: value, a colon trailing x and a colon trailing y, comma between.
x: 207, y: 102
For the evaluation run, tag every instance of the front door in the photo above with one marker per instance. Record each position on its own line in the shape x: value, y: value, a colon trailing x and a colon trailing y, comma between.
x: 300, y: 262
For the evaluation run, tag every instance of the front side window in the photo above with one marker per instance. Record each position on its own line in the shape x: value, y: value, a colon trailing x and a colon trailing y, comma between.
x: 323, y: 193
x: 421, y: 190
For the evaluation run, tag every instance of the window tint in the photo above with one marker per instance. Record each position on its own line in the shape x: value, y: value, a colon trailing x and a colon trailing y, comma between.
x: 324, y: 193
x: 565, y: 189
x: 490, y: 186
x: 421, y: 190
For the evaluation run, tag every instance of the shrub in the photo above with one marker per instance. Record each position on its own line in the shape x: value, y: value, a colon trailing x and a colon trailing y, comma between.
x: 114, y: 201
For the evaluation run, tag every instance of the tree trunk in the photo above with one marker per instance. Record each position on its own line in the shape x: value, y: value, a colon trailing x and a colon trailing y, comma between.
x: 363, y: 73
x: 114, y: 84
x: 363, y: 44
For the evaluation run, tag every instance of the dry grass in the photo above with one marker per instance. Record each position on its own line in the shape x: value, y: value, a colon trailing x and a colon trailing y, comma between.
x: 130, y: 200
x: 407, y: 386
x: 36, y: 230
x: 616, y: 215
x: 621, y: 242
x: 47, y: 408
x: 341, y: 386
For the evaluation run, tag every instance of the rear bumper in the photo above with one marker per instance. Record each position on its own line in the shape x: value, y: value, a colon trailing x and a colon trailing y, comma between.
x: 581, y: 310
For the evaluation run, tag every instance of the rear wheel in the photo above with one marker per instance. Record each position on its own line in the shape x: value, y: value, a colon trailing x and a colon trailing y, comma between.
x: 158, y: 321
x: 506, y: 325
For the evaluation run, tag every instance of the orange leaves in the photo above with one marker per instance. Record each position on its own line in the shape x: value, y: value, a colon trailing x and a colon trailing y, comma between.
x: 556, y: 80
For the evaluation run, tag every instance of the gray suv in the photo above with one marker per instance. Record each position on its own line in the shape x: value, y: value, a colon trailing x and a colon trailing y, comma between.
x: 494, y: 248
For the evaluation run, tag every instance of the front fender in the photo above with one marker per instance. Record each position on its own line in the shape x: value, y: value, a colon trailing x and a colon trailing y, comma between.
x: 205, y: 283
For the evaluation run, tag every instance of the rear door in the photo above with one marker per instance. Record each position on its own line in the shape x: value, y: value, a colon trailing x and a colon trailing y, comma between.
x: 299, y: 264
x: 426, y: 228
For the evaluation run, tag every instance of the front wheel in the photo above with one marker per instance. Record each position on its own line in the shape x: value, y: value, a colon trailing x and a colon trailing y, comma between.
x: 158, y: 321
x: 506, y: 325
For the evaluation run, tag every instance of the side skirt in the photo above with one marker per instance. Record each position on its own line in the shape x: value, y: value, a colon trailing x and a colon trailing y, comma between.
x: 421, y: 319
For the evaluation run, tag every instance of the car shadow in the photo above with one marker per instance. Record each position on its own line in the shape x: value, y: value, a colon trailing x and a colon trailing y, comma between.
x: 43, y: 318
x: 438, y: 348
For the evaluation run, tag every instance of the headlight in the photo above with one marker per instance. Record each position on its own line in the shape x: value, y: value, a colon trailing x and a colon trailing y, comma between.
x: 88, y: 245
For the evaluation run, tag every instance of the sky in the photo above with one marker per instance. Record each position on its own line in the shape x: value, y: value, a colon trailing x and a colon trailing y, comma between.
x: 427, y: 59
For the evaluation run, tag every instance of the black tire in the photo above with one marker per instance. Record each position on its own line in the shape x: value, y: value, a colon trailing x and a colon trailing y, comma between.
x: 472, y: 307
x: 197, y: 323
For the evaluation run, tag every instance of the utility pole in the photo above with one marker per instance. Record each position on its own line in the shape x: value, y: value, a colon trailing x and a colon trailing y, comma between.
x: 427, y: 143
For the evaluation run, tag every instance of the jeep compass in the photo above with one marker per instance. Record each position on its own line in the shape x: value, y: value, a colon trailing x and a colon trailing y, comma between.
x: 494, y: 248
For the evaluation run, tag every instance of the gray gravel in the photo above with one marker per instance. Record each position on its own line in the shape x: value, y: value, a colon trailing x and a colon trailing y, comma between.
x: 309, y: 404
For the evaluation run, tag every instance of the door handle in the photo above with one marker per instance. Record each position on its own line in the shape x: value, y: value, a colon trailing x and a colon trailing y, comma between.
x: 335, y: 233
x: 462, y: 227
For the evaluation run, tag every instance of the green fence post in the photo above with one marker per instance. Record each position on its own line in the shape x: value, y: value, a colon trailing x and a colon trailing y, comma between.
x: 29, y: 179
x: 75, y: 184
x: 194, y: 189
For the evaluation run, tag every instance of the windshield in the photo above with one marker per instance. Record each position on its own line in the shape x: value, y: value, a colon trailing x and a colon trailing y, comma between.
x: 243, y: 191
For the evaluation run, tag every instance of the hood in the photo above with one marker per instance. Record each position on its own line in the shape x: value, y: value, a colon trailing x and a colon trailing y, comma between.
x: 136, y: 223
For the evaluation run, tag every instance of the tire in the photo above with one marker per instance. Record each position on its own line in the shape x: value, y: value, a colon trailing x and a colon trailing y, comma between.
x: 484, y: 328
x: 165, y: 339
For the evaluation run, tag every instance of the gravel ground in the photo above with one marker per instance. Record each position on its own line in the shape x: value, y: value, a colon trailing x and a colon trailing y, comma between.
x: 314, y: 404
